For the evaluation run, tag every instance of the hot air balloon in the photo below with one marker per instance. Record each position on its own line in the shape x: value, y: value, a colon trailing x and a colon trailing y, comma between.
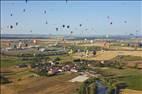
x: 71, y: 32
x: 11, y: 26
x: 11, y: 14
x: 111, y: 23
x: 44, y: 11
x: 131, y: 34
x: 26, y: 1
x: 8, y: 26
x: 24, y: 10
x: 108, y: 17
x: 56, y: 29
x: 125, y: 21
x: 16, y: 23
x: 80, y: 25
x: 46, y: 22
x: 68, y: 26
x: 63, y: 26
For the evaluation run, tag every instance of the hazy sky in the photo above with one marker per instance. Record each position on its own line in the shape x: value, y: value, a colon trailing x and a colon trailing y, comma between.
x: 126, y: 17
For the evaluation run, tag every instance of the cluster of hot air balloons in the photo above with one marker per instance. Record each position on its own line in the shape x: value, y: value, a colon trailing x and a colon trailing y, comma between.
x: 63, y: 26
x: 110, y: 20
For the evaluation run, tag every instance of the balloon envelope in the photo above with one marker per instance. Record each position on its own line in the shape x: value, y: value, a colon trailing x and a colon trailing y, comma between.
x: 11, y: 26
x: 46, y: 22
x: 63, y: 26
x: 44, y: 11
x: 68, y: 26
x: 16, y: 23
x: 24, y: 10
x: 56, y: 29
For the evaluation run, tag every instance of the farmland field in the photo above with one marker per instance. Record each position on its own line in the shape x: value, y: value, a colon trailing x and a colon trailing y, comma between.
x: 108, y: 55
x: 132, y: 77
x: 43, y: 85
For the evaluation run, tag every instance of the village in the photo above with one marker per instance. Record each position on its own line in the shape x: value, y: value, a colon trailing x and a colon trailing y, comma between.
x: 71, y: 47
x: 85, y: 58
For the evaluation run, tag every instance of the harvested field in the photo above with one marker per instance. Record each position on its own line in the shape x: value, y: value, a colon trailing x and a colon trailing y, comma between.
x: 129, y: 91
x: 44, y: 85
x: 133, y: 64
x: 107, y: 55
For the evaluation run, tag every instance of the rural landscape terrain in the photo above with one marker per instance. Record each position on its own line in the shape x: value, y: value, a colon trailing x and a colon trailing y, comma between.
x: 51, y: 66
x: 71, y: 47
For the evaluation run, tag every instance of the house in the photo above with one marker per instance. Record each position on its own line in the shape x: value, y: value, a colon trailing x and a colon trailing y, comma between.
x: 53, y: 71
x: 22, y: 65
x: 42, y: 49
x: 135, y: 44
x: 74, y: 70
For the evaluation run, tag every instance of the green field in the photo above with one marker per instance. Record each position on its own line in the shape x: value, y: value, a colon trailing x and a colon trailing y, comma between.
x: 11, y: 61
x: 132, y: 77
